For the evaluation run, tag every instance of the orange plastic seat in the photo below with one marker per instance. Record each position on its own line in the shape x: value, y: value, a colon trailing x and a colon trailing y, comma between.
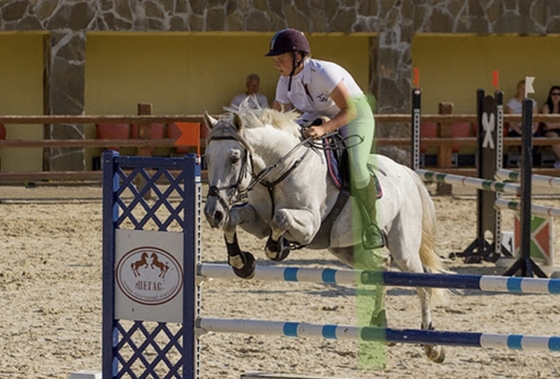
x: 460, y: 130
x: 112, y: 131
x: 427, y: 130
x: 157, y: 131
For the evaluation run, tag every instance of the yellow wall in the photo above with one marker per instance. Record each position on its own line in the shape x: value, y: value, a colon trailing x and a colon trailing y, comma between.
x: 452, y: 68
x: 189, y: 73
x: 21, y: 75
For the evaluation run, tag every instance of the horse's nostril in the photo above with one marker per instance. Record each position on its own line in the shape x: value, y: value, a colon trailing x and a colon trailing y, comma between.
x: 218, y: 216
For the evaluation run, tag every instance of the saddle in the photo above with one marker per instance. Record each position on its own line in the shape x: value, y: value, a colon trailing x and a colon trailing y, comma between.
x: 338, y: 168
x: 338, y: 164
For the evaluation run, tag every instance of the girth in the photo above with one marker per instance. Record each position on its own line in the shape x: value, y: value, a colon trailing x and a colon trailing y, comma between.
x: 322, y: 238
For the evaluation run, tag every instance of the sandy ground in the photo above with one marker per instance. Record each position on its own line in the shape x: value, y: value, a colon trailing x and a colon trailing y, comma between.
x: 50, y: 302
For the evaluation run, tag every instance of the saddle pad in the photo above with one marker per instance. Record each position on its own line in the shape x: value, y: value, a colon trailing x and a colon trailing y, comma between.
x: 338, y: 171
x: 334, y: 169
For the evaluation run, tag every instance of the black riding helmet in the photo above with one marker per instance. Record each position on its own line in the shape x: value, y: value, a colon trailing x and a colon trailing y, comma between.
x: 289, y: 41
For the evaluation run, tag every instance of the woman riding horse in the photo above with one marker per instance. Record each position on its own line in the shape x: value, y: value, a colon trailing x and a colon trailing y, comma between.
x: 319, y: 88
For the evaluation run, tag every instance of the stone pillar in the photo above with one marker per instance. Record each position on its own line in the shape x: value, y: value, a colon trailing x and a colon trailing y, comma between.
x: 64, y: 92
x: 393, y: 87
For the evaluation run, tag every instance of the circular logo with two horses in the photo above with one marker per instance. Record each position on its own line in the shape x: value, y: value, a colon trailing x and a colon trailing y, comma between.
x: 149, y: 276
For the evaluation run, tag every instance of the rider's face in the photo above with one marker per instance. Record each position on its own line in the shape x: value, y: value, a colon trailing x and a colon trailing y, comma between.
x: 284, y: 63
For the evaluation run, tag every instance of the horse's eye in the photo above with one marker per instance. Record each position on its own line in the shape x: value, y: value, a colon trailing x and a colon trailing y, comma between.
x: 235, y: 157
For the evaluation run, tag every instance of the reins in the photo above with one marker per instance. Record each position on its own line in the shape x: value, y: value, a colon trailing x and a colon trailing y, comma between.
x: 258, y: 178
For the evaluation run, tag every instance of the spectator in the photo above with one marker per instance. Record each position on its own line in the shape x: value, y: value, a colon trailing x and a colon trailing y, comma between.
x: 552, y: 129
x: 252, y: 84
x: 515, y: 106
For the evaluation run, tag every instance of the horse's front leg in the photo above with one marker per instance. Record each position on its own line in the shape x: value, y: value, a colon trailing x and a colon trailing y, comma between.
x: 296, y: 225
x: 242, y: 262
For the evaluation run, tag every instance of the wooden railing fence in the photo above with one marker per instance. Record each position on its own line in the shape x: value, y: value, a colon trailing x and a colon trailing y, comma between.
x: 144, y: 121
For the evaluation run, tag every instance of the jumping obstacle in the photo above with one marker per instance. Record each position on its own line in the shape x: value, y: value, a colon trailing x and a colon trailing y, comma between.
x: 488, y: 283
x: 489, y: 151
x: 466, y: 181
x: 375, y: 334
x: 538, y: 180
x: 489, y: 204
x: 140, y: 337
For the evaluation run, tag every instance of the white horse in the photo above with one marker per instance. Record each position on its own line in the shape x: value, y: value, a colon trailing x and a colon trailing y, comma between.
x: 259, y: 156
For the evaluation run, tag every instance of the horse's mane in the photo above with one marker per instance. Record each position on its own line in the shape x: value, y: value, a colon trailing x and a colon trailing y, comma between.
x: 259, y: 117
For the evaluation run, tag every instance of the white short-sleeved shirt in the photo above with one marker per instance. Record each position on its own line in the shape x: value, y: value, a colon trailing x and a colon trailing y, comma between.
x: 517, y: 106
x: 320, y: 78
x: 261, y: 100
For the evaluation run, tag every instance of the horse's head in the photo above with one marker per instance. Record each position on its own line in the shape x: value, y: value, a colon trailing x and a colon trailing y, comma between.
x: 227, y: 159
x: 240, y: 146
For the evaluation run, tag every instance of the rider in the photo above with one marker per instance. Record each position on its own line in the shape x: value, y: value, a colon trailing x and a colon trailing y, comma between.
x: 318, y: 88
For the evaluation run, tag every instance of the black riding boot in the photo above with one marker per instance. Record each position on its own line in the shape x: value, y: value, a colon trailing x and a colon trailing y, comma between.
x: 372, y: 237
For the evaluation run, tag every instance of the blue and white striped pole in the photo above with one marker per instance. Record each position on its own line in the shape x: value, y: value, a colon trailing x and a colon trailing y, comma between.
x: 388, y: 278
x: 409, y: 336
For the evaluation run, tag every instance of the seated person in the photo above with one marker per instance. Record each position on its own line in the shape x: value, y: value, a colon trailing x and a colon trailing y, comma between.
x: 515, y: 106
x: 552, y: 129
x: 252, y: 84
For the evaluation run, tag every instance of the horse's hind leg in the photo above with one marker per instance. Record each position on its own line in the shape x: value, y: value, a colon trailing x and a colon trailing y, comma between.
x: 434, y: 352
x: 412, y: 263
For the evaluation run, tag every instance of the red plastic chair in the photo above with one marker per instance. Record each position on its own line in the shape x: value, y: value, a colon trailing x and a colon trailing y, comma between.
x: 460, y: 130
x: 157, y: 131
x: 112, y: 131
x: 427, y: 130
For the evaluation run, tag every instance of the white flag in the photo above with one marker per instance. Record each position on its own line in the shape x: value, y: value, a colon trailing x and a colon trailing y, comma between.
x: 529, y: 85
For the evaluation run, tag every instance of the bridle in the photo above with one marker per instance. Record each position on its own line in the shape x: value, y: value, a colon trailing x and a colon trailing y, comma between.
x: 214, y: 191
x: 239, y: 194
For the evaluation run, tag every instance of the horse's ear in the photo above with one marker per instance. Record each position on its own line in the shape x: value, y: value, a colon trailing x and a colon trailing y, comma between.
x: 237, y: 123
x: 209, y: 120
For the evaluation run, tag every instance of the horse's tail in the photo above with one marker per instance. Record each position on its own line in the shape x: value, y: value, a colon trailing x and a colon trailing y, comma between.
x: 430, y: 259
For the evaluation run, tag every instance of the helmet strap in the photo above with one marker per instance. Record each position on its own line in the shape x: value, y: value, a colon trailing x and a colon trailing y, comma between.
x: 294, y: 66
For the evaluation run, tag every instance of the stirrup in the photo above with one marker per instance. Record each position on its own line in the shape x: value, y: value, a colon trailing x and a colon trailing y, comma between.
x: 372, y: 237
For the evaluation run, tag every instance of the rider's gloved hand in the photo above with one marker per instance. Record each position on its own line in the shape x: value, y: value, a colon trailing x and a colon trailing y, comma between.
x: 315, y: 122
x: 314, y: 129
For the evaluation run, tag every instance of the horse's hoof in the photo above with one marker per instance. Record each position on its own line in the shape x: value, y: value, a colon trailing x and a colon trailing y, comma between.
x: 277, y: 250
x: 435, y: 353
x: 247, y: 271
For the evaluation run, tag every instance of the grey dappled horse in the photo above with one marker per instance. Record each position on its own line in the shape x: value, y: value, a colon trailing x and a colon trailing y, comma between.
x: 258, y: 156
